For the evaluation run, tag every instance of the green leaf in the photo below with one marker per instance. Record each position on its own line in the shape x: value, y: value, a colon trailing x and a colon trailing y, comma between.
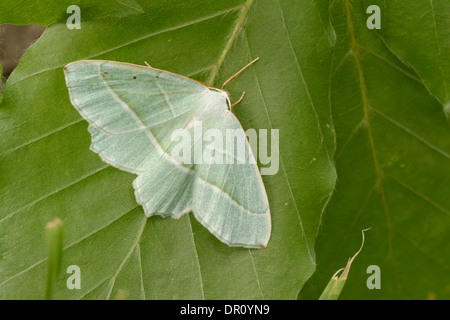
x: 418, y: 33
x: 24, y: 12
x: 393, y: 164
x: 47, y: 168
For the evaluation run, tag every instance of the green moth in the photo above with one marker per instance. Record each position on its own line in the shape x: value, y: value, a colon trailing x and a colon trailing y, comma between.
x: 132, y: 113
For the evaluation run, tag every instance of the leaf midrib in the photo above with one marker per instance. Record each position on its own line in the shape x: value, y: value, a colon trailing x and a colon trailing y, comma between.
x: 366, y: 108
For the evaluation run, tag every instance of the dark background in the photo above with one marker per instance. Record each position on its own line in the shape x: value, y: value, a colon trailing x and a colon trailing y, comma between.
x: 14, y: 41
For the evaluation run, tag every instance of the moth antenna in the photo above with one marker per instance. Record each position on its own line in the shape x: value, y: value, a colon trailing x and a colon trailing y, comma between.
x: 237, y: 73
x: 240, y: 99
x: 147, y: 64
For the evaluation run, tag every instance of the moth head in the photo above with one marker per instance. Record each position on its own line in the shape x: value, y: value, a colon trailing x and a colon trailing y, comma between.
x: 224, y: 94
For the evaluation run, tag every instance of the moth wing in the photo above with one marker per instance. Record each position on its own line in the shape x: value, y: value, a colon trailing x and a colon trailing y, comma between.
x: 120, y: 97
x: 132, y: 111
x: 229, y: 198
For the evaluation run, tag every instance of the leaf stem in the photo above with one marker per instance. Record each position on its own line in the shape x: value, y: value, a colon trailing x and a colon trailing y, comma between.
x: 239, y: 23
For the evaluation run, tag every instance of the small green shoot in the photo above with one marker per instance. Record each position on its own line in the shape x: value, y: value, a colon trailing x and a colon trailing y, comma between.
x: 336, y: 284
x: 54, y: 231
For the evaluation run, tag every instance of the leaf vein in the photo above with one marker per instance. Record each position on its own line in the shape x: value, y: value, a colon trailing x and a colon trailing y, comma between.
x: 412, y: 133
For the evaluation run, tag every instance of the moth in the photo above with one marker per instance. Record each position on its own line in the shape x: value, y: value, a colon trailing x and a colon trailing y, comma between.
x: 132, y: 113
